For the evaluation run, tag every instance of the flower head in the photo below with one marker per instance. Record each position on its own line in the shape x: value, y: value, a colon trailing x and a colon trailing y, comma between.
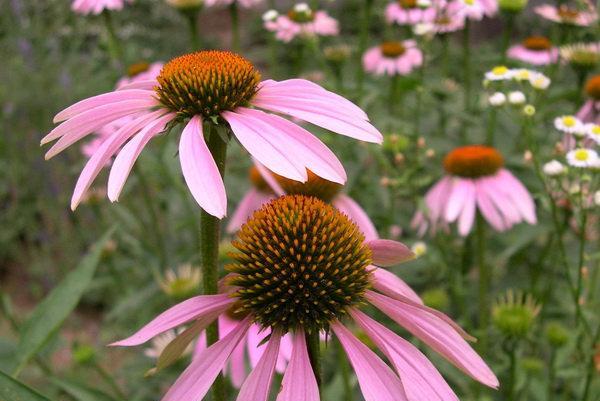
x: 592, y: 87
x: 302, y: 21
x: 497, y: 99
x: 554, y: 168
x: 514, y: 314
x: 516, y: 98
x: 499, y: 73
x: 214, y: 90
x: 535, y: 50
x: 185, y: 4
x: 593, y: 132
x: 314, y: 272
x: 583, y: 158
x: 95, y: 7
x: 476, y: 180
x: 512, y: 6
x: 581, y: 55
x: 565, y: 14
x: 181, y: 283
x: 570, y: 125
x: 393, y: 58
x: 409, y: 12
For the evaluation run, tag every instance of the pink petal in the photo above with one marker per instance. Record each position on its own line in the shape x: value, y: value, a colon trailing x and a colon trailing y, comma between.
x: 377, y: 381
x: 389, y: 253
x: 438, y: 334
x: 350, y: 208
x: 266, y: 146
x: 101, y: 100
x: 462, y: 188
x: 149, y: 84
x: 196, y: 380
x: 250, y: 203
x: 299, y: 382
x: 128, y: 155
x: 257, y: 385
x: 421, y: 380
x: 193, y: 308
x: 521, y: 197
x: 269, y: 178
x: 485, y: 204
x: 106, y: 150
x: 391, y: 285
x: 316, y: 156
x: 236, y: 368
x: 467, y: 215
x: 200, y: 170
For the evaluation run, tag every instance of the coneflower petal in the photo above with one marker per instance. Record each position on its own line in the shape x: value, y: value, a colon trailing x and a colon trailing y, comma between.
x: 393, y: 286
x: 251, y: 202
x: 388, y: 252
x: 299, y: 382
x: 257, y: 385
x: 356, y: 213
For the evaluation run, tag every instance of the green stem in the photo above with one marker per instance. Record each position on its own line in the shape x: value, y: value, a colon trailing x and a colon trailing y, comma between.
x: 467, y: 77
x: 209, y: 247
x: 109, y: 381
x: 551, y: 373
x: 394, y: 95
x: 235, y: 26
x: 345, y: 371
x: 507, y: 35
x: 313, y: 343
x: 363, y: 38
x: 581, y: 253
x: 114, y: 47
x: 192, y: 19
x: 512, y: 372
x: 484, y: 280
x: 591, y: 368
x: 491, y: 128
x: 419, y: 95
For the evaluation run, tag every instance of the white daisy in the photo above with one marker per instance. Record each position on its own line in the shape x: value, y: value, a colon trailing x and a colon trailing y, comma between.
x: 539, y: 81
x: 583, y: 157
x: 554, y: 168
x: 516, y: 97
x: 499, y: 73
x: 419, y: 248
x: 523, y: 74
x: 497, y: 99
x: 270, y: 15
x: 593, y: 131
x: 569, y: 125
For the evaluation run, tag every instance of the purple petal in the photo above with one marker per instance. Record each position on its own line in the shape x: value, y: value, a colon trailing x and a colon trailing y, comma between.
x: 350, y: 208
x: 391, y: 285
x: 257, y: 385
x: 389, y: 253
x: 299, y: 382
x: 251, y: 202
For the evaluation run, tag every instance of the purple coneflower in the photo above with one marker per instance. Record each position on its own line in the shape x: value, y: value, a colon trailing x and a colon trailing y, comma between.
x: 393, y: 58
x: 313, y: 273
x: 86, y: 7
x: 535, y: 50
x: 302, y: 21
x: 219, y: 89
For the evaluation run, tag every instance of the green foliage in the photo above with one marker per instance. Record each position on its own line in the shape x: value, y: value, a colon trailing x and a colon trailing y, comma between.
x: 13, y: 390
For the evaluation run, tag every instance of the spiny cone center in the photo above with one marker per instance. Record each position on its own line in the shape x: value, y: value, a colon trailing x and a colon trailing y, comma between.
x: 207, y: 83
x: 408, y: 3
x: 315, y: 186
x: 567, y: 13
x: 473, y: 161
x: 392, y: 49
x: 538, y: 43
x: 300, y: 263
x: 592, y: 87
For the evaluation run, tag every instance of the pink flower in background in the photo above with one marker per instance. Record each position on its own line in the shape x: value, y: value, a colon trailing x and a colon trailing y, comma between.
x: 298, y: 293
x: 86, y: 7
x: 392, y: 58
x: 565, y: 14
x: 243, y: 3
x: 268, y: 185
x: 140, y: 72
x: 409, y: 12
x: 590, y: 111
x: 446, y: 23
x: 535, y: 50
x: 472, y: 9
x: 302, y: 21
x: 157, y: 104
x: 476, y: 181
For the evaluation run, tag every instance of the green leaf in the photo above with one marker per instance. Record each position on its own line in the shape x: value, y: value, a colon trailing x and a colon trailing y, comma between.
x: 81, y: 392
x: 50, y: 314
x: 13, y: 390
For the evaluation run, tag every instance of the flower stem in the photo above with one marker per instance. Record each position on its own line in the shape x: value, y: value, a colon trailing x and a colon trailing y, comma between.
x: 581, y: 253
x: 313, y: 342
x: 551, y: 373
x: 192, y: 18
x: 114, y: 47
x: 235, y: 26
x: 491, y: 128
x: 109, y: 380
x: 591, y: 368
x: 512, y: 373
x: 484, y: 281
x: 467, y: 77
x: 363, y: 38
x: 507, y: 35
x: 209, y: 248
x: 345, y: 371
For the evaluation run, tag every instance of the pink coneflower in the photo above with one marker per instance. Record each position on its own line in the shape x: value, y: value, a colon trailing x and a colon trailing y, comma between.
x: 472, y: 9
x: 243, y: 3
x: 392, y: 58
x: 476, y: 182
x: 535, y: 50
x: 86, y: 7
x: 590, y: 111
x: 565, y: 14
x: 409, y: 12
x: 302, y: 21
x: 212, y: 87
x: 268, y: 185
x: 445, y: 23
x: 312, y: 273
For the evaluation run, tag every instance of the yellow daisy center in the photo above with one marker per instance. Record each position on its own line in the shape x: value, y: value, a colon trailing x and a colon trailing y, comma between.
x: 569, y: 121
x: 582, y: 155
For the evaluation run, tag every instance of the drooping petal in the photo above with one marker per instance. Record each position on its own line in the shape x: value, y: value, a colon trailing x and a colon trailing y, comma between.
x: 467, y: 215
x: 377, y: 381
x: 389, y: 253
x: 348, y: 206
x: 456, y: 198
x: 316, y: 156
x: 486, y: 205
x: 194, y: 308
x: 299, y: 382
x: 521, y: 197
x: 148, y: 84
x: 257, y: 385
x: 438, y: 334
x: 106, y: 150
x: 100, y: 100
x: 269, y: 179
x: 200, y: 170
x: 128, y: 155
x: 196, y: 380
x: 391, y: 285
x: 420, y: 379
x: 251, y: 202
x: 266, y: 147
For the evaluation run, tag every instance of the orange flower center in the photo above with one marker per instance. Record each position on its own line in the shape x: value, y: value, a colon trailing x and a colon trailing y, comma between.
x: 473, y: 161
x: 137, y: 68
x: 567, y: 13
x: 258, y: 181
x: 408, y: 3
x: 592, y: 87
x: 301, y: 17
x: 206, y: 83
x: 538, y: 43
x: 392, y: 49
x: 315, y: 186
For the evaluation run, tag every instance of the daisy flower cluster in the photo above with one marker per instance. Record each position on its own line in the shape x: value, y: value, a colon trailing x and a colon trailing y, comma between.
x: 300, y: 21
x: 579, y: 139
x: 515, y: 86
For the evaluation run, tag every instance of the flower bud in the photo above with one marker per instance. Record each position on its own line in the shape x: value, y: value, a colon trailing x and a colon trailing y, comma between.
x: 83, y: 353
x: 557, y: 334
x: 514, y: 314
x: 516, y: 97
x: 497, y: 99
x: 185, y: 4
x: 554, y: 168
x: 512, y: 6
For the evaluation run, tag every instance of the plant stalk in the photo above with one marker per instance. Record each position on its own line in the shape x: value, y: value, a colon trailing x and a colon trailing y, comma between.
x: 313, y: 343
x: 235, y: 26
x: 484, y: 281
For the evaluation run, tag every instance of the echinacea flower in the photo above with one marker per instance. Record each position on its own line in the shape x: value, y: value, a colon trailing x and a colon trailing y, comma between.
x: 476, y: 182
x: 583, y: 56
x: 565, y: 14
x: 472, y: 9
x: 215, y: 88
x: 445, y: 23
x: 304, y: 22
x: 535, y: 50
x: 85, y: 7
x: 313, y: 273
x: 393, y: 58
x: 583, y: 158
x: 409, y: 12
x: 590, y: 111
x: 268, y: 185
x: 242, y: 3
